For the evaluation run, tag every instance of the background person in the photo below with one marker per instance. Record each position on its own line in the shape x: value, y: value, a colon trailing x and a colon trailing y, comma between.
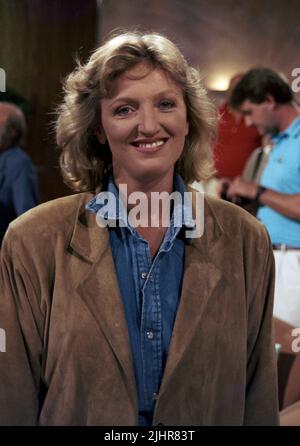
x: 18, y: 181
x: 266, y: 101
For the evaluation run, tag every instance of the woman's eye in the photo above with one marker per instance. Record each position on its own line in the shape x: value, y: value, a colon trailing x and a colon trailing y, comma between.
x: 166, y: 104
x: 123, y: 111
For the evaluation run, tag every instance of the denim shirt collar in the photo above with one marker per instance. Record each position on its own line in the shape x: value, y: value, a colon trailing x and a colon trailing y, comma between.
x: 182, y: 215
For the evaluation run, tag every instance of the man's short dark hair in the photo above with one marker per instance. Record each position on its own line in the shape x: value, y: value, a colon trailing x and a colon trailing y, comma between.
x: 257, y: 84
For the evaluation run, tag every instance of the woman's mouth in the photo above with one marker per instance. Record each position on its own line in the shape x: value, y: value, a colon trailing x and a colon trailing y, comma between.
x: 150, y: 146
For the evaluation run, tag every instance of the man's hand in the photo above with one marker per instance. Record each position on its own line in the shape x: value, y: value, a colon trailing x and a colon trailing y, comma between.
x: 286, y: 204
x: 222, y: 187
x: 241, y: 188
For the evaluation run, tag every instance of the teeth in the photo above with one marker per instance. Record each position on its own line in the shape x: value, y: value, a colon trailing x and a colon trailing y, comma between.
x: 151, y: 145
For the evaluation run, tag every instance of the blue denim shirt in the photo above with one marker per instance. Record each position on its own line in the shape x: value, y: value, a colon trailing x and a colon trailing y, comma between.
x: 18, y: 186
x: 150, y: 291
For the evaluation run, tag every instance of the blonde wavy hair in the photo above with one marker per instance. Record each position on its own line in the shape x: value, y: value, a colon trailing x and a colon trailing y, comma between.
x: 83, y: 160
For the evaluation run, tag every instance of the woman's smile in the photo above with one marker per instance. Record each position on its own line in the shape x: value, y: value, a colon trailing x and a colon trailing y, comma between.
x: 150, y: 145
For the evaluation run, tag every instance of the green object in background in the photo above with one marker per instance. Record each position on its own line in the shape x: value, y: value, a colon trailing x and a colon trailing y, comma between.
x: 278, y: 348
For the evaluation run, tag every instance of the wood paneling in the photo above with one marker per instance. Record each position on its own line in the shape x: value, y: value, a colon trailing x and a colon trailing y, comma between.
x: 38, y: 42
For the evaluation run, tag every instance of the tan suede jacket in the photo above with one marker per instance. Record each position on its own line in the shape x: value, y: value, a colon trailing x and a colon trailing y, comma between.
x: 68, y: 358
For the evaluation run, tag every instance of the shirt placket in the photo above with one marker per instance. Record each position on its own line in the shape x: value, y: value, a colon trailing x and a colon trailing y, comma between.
x: 151, y: 321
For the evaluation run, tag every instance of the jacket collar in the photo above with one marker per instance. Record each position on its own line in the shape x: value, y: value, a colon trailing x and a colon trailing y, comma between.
x: 88, y: 240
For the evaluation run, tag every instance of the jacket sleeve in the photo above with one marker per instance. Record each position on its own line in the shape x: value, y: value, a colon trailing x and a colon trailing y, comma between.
x: 22, y: 323
x: 261, y: 387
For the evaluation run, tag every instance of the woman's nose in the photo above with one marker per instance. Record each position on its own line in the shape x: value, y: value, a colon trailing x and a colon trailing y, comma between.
x: 148, y: 122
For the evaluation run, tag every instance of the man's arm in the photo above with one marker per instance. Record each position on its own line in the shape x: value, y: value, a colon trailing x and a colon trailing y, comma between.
x: 286, y: 204
x: 24, y: 188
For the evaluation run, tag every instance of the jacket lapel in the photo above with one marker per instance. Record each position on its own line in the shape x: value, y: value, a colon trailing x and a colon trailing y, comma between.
x: 100, y: 291
x: 201, y: 276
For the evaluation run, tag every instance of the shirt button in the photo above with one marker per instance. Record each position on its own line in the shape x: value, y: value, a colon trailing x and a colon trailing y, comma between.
x: 155, y: 396
x: 144, y: 275
x: 150, y: 334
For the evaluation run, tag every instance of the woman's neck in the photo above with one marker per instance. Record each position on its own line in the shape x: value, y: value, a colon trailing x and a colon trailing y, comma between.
x: 155, y: 207
x: 164, y: 184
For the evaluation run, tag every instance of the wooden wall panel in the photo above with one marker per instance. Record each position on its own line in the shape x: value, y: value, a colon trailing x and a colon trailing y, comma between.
x: 38, y: 42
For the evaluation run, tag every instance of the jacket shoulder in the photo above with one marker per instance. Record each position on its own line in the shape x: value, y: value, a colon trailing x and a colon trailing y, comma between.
x: 53, y: 216
x: 233, y: 219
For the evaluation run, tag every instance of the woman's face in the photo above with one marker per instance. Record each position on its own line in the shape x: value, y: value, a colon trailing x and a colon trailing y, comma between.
x: 145, y: 124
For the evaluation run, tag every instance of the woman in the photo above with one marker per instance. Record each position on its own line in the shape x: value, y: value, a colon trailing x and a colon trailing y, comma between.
x: 111, y: 322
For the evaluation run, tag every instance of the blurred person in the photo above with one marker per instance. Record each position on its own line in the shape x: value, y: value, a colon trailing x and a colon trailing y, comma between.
x: 236, y: 141
x: 110, y: 323
x: 266, y: 100
x: 257, y: 161
x: 18, y: 182
x: 252, y: 173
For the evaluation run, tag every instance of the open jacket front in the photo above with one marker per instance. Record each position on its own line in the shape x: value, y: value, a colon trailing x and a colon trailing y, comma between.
x: 68, y: 358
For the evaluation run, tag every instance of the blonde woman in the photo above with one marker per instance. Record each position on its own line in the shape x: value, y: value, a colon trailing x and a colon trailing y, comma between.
x: 112, y: 322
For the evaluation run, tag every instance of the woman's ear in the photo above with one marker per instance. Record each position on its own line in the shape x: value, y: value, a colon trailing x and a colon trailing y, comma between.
x: 100, y: 135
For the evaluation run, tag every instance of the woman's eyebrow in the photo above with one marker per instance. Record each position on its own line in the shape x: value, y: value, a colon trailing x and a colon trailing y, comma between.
x: 123, y: 99
x: 136, y: 99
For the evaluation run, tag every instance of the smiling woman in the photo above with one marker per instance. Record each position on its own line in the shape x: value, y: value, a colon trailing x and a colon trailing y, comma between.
x: 153, y: 57
x: 129, y: 324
